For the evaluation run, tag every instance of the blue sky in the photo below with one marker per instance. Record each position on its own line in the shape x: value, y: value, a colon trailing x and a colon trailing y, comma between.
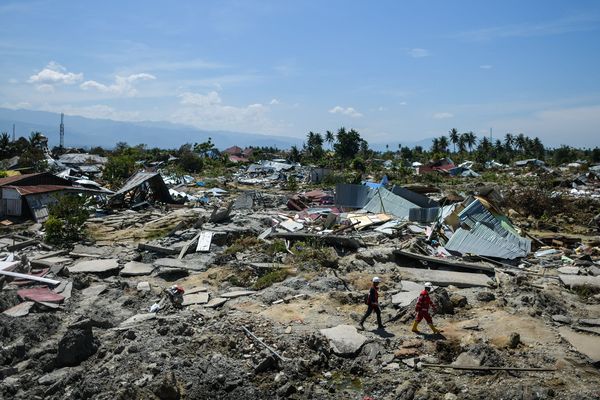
x: 397, y: 71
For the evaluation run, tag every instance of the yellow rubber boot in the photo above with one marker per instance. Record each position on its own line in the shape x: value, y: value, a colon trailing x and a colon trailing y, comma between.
x: 434, y: 329
x: 414, y: 327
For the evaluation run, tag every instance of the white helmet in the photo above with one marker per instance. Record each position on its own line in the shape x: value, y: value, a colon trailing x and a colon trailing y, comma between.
x: 428, y: 285
x: 376, y: 279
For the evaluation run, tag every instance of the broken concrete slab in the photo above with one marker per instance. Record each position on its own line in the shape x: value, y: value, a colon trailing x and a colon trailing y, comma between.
x: 237, y: 293
x: 216, y: 302
x: 344, y: 339
x: 143, y: 287
x: 562, y: 319
x: 137, y: 319
x: 91, y: 251
x: 587, y: 345
x: 466, y: 360
x: 95, y: 266
x: 134, y: 268
x: 590, y: 322
x: 20, y: 310
x: 195, y: 298
x: 573, y: 281
x: 168, y: 262
x: 196, y: 289
x: 445, y: 278
x: 93, y: 291
x: 568, y: 270
x: 403, y: 299
x: 66, y: 291
x: 40, y: 295
x: 171, y: 274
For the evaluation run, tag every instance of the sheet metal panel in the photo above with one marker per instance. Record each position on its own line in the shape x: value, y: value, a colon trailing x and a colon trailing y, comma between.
x: 384, y: 201
x: 483, y: 241
x: 415, y: 198
x: 353, y: 196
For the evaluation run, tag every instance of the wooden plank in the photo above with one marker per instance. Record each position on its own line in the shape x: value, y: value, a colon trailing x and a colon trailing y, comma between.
x: 29, y: 277
x: 204, y: 241
x: 187, y: 246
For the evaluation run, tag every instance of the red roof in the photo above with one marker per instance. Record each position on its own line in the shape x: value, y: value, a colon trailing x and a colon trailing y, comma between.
x: 233, y: 150
x: 237, y: 159
x: 27, y: 190
x: 11, y: 179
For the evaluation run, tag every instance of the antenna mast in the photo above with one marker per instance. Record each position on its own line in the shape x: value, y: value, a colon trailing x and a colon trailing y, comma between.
x: 62, y: 131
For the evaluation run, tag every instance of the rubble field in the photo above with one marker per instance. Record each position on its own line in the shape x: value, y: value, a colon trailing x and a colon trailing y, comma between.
x: 254, y: 291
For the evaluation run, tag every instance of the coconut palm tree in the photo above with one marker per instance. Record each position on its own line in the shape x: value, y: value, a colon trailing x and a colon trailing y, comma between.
x: 443, y: 144
x: 462, y: 142
x: 454, y: 138
x: 435, y: 145
x: 329, y: 138
x: 509, y: 141
x: 470, y: 140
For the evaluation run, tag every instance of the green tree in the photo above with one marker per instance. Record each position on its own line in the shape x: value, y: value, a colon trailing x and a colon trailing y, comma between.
x: 295, y: 154
x: 66, y: 219
x: 329, y: 138
x: 347, y: 144
x: 470, y: 140
x: 5, y: 147
x: 453, y: 135
x: 443, y: 142
x: 118, y: 168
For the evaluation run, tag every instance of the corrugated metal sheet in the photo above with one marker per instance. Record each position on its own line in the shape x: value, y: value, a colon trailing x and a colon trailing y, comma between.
x: 384, y: 201
x: 483, y: 241
x: 423, y: 214
x: 415, y: 198
x: 354, y: 196
x: 151, y: 180
x: 498, y: 237
x: 82, y: 159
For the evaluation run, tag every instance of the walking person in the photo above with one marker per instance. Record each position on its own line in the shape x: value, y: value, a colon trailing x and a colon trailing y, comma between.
x: 422, y: 309
x: 372, y: 302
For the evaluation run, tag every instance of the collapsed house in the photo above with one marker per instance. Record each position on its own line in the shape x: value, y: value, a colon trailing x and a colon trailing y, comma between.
x: 140, y: 189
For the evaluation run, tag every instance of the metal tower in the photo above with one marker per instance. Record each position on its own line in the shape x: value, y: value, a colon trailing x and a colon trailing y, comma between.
x: 62, y: 131
x: 13, y: 132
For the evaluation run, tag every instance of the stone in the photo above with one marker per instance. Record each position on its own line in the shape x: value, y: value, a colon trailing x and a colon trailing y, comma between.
x: 20, y: 310
x: 143, y: 286
x: 485, y: 296
x: 391, y: 366
x: 169, y: 387
x: 450, y: 396
x: 458, y: 300
x: 169, y: 262
x: 562, y: 319
x: 590, y: 322
x: 412, y: 343
x: 470, y: 324
x: 466, y: 360
x: 573, y: 281
x: 196, y: 289
x: 514, y: 339
x: 54, y: 376
x: 288, y: 330
x: 195, y: 298
x: 286, y: 390
x: 403, y: 299
x: 95, y: 266
x: 137, y: 319
x: 76, y: 346
x: 344, y: 339
x: 134, y: 268
x: 267, y: 364
x: 409, y: 352
x: 237, y: 293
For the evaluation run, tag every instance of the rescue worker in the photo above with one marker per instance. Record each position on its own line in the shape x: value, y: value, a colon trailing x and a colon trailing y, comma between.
x: 422, y: 309
x: 372, y: 305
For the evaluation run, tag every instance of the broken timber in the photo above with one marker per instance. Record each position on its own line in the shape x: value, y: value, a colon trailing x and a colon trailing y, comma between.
x: 262, y: 343
x: 29, y: 277
x: 478, y: 368
x: 442, y: 261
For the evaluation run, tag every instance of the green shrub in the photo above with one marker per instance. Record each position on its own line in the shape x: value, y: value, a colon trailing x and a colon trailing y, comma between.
x: 271, y: 277
x: 66, y: 219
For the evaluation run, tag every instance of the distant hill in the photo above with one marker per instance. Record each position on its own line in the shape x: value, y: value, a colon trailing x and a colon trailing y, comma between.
x: 87, y: 132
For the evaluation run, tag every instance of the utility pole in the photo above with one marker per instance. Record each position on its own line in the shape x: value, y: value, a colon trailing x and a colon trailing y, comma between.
x: 62, y: 131
x: 491, y: 137
x: 13, y: 132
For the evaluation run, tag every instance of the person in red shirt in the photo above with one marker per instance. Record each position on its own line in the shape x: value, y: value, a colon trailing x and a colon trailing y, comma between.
x: 373, y: 305
x: 422, y: 309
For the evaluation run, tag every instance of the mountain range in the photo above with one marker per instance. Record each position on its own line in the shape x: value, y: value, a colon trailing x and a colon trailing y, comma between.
x: 88, y: 132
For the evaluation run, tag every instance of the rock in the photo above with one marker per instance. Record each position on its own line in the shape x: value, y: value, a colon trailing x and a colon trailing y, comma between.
x: 485, y: 296
x: 458, y: 300
x: 143, y: 286
x: 134, y: 268
x: 403, y: 299
x: 412, y: 343
x: 391, y: 366
x: 344, y: 339
x: 470, y: 324
x: 137, y: 319
x: 216, y: 302
x: 514, y: 339
x: 590, y: 322
x: 563, y: 319
x: 171, y: 274
x: 286, y: 390
x: 450, y: 396
x: 267, y: 364
x: 76, y: 346
x: 466, y: 360
x: 169, y: 262
x: 288, y: 330
x: 569, y: 270
x: 410, y: 362
x: 169, y: 388
x: 406, y: 353
x: 95, y: 266
x: 441, y: 299
x: 54, y: 376
x: 195, y: 298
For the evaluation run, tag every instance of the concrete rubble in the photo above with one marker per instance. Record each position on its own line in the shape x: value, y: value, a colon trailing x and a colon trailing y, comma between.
x: 271, y: 286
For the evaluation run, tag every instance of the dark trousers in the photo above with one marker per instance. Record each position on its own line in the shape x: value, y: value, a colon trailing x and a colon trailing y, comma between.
x: 370, y: 309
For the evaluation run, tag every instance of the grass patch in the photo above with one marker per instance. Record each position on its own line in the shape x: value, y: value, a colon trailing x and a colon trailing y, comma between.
x: 314, y: 252
x: 268, y: 279
x: 243, y: 243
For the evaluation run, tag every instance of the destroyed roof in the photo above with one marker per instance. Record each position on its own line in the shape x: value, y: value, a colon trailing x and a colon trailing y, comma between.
x: 41, y: 178
x: 522, y: 163
x: 384, y: 201
x: 354, y: 196
x: 84, y: 158
x: 154, y: 179
x: 233, y: 150
x: 487, y: 235
x: 38, y: 189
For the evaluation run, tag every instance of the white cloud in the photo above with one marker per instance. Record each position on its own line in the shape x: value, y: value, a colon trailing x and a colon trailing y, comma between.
x: 486, y: 66
x: 45, y: 88
x: 208, y: 111
x: 123, y: 86
x: 274, y: 102
x: 403, y: 103
x: 350, y: 111
x: 54, y: 74
x: 443, y: 115
x: 382, y: 108
x: 418, y: 53
x: 97, y: 111
x: 13, y: 81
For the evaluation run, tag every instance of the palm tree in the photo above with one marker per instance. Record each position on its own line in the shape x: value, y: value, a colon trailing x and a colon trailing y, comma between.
x: 435, y: 145
x: 35, y: 139
x: 462, y: 142
x: 521, y: 142
x: 470, y: 140
x: 454, y: 138
x: 509, y: 141
x: 329, y: 138
x: 443, y: 144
